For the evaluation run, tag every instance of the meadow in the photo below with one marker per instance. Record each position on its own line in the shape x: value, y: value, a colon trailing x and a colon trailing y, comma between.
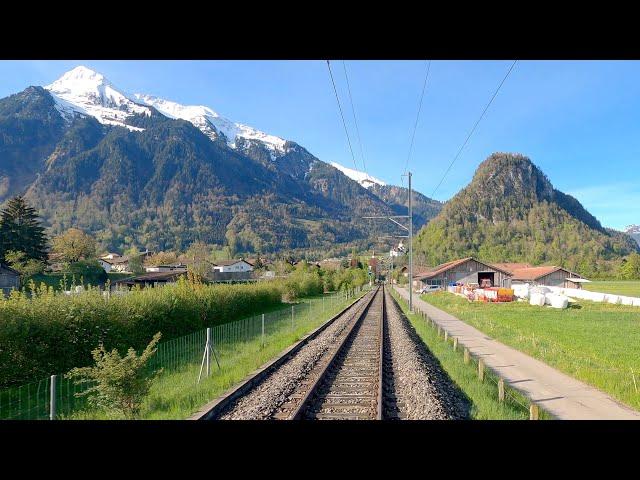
x: 630, y: 288
x: 594, y: 342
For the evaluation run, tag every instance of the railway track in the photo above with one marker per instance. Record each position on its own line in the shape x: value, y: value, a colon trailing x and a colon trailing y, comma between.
x: 351, y: 385
x: 361, y: 365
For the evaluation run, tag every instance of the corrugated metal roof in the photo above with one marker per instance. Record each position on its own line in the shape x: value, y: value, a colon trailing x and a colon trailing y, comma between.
x: 435, y: 271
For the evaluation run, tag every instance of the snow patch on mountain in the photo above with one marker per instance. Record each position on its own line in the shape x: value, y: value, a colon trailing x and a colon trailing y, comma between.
x: 362, y: 178
x: 83, y: 91
x: 632, y: 229
x: 211, y: 123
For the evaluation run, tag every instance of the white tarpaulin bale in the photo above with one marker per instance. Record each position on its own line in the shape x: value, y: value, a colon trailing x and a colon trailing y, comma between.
x: 559, y: 301
x: 536, y: 299
x: 626, y: 300
x: 614, y: 299
x: 594, y: 296
x: 521, y: 291
x: 636, y: 302
x: 542, y: 290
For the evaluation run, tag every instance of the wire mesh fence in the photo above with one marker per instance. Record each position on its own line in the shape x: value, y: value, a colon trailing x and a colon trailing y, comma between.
x: 34, y: 401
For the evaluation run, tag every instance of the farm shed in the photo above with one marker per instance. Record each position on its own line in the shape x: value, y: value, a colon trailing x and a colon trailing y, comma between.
x: 464, y: 270
x: 551, y: 276
x: 153, y: 279
x: 9, y: 279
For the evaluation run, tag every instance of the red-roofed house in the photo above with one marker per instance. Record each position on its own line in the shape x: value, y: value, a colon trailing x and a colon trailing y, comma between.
x: 549, y: 276
x: 465, y: 270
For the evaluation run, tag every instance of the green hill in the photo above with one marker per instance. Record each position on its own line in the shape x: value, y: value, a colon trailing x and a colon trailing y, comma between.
x: 511, y: 212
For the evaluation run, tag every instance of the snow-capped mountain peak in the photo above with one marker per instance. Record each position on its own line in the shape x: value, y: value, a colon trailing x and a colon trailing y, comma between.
x: 86, y: 92
x: 632, y: 229
x: 211, y: 123
x: 362, y: 178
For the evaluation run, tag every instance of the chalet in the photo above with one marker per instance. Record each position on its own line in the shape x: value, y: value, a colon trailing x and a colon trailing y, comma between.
x: 551, y: 276
x: 465, y: 270
x: 231, y: 270
x: 153, y: 279
x: 225, y: 266
x: 9, y: 279
x: 113, y: 262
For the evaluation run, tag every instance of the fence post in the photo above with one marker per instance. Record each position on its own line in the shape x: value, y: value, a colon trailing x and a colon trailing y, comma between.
x: 292, y: 317
x: 480, y: 369
x: 455, y: 343
x: 208, y: 352
x: 533, y: 412
x: 501, y: 390
x: 263, y: 330
x: 446, y: 336
x: 52, y: 398
x: 466, y: 355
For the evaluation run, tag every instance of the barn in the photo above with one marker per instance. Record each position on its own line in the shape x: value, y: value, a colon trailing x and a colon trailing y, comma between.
x: 9, y: 279
x: 465, y: 270
x: 551, y: 276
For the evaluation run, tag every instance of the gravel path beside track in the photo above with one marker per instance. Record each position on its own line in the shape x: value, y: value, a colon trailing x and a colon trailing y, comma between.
x: 417, y: 388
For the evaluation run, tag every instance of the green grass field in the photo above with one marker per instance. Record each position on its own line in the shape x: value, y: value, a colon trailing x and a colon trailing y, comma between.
x: 483, y: 396
x: 596, y: 343
x: 629, y: 288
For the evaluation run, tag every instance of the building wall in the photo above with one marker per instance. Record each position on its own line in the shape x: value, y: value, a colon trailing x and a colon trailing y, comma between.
x: 236, y: 267
x: 229, y: 276
x: 8, y: 281
x: 105, y: 265
x: 558, y: 279
x: 468, y: 273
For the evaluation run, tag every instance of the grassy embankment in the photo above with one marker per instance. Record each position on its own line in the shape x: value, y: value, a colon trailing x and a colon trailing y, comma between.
x: 630, y: 288
x: 176, y: 395
x: 483, y: 396
x: 596, y: 343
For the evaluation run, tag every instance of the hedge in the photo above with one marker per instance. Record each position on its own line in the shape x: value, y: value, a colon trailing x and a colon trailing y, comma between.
x: 48, y: 332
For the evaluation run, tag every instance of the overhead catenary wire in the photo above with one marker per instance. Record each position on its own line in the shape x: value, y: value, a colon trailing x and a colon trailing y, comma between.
x: 346, y: 131
x: 355, y: 120
x: 415, y: 126
x: 474, y: 127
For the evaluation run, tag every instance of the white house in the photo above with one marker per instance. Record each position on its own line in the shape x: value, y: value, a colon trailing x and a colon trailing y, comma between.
x: 398, y: 251
x: 232, y: 266
x: 113, y: 262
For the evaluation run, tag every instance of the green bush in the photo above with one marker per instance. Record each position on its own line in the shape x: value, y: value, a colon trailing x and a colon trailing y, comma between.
x: 120, y: 384
x: 87, y: 272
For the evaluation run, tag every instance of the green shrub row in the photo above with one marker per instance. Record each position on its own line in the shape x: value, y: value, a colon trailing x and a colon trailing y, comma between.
x: 45, y: 332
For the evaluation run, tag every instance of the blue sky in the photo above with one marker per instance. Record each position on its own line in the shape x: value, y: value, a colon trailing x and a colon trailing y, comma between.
x: 577, y: 120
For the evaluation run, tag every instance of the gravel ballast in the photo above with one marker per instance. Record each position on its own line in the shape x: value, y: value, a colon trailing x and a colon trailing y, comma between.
x: 417, y: 387
x: 264, y: 400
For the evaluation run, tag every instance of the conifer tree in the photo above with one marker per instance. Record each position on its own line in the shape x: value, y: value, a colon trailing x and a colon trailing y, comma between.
x: 21, y: 230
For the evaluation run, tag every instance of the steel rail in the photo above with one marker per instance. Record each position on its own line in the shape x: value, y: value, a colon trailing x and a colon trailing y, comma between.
x: 214, y: 408
x: 306, y: 401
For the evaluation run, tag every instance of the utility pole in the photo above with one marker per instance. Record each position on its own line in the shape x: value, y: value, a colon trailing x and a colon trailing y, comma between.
x: 409, y: 230
x: 410, y: 248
